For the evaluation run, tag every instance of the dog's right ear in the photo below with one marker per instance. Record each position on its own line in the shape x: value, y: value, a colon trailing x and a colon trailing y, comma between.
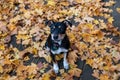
x: 49, y: 22
x: 67, y: 23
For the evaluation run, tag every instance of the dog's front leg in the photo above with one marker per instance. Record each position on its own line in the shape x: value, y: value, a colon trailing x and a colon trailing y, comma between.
x: 65, y: 62
x: 55, y: 64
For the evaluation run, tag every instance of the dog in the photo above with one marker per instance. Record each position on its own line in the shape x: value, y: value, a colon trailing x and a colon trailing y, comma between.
x: 58, y: 42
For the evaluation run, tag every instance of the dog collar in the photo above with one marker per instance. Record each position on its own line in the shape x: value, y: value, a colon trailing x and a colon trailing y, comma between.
x: 55, y: 46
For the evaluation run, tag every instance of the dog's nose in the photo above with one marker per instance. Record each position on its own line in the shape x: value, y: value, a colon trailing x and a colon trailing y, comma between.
x: 55, y: 37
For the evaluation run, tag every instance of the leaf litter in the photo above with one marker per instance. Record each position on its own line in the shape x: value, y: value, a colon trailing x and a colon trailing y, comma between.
x: 89, y: 39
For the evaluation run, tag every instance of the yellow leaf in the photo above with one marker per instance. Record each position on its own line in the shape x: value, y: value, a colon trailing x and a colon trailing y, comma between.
x: 2, y: 47
x: 86, y: 37
x: 72, y: 57
x: 64, y: 3
x: 104, y: 77
x: 48, y: 58
x: 34, y: 50
x: 58, y: 78
x: 32, y: 69
x: 64, y: 12
x: 72, y: 37
x: 51, y: 3
x: 31, y: 76
x: 27, y: 14
x: 75, y: 72
x: 46, y: 77
x: 90, y: 62
x: 39, y: 11
x: 1, y: 69
x: 22, y: 36
x: 89, y: 25
x: 59, y: 57
x: 11, y: 27
x: 96, y: 21
x: 4, y: 34
x: 110, y: 20
x: 73, y: 66
x: 118, y: 10
x: 106, y: 67
x: 78, y: 1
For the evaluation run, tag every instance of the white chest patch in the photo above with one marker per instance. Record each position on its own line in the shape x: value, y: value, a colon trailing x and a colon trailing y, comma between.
x: 59, y: 50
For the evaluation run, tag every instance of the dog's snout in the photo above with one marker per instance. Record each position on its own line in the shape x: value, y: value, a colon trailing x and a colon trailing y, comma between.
x: 55, y: 36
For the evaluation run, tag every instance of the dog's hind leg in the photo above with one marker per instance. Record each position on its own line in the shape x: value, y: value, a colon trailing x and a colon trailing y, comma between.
x: 55, y: 64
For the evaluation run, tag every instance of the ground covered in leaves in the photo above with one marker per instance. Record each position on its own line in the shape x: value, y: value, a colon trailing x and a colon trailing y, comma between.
x: 23, y: 34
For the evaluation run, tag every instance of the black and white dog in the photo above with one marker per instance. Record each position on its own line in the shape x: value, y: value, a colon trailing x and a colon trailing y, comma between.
x: 58, y: 42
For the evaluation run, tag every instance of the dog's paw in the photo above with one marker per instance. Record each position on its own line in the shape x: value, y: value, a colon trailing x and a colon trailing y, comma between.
x: 66, y: 65
x: 56, y: 68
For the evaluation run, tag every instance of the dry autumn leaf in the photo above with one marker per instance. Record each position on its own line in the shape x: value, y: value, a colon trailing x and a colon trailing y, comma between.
x: 46, y: 77
x: 1, y: 69
x: 110, y: 20
x: 93, y: 40
x: 118, y: 10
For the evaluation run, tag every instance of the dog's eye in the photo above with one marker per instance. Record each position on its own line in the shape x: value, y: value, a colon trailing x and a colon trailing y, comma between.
x: 52, y: 28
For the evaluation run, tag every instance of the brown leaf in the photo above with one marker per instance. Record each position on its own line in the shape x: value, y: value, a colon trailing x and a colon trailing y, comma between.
x: 75, y: 72
x: 40, y: 65
x: 1, y: 69
x: 7, y: 39
x: 72, y: 57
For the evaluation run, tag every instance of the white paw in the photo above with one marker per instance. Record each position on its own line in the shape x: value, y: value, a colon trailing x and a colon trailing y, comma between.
x: 66, y: 65
x: 56, y: 68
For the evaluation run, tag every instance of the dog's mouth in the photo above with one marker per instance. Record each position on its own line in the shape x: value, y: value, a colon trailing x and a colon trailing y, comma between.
x: 58, y: 37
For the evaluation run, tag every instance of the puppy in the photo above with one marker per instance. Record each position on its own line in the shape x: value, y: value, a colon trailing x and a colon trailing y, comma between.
x: 58, y: 42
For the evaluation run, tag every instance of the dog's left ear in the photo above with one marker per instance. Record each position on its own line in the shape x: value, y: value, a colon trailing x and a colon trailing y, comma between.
x: 49, y: 22
x: 67, y: 23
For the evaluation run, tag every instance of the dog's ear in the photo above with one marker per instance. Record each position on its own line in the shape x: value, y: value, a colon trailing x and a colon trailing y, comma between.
x: 49, y: 22
x: 67, y: 23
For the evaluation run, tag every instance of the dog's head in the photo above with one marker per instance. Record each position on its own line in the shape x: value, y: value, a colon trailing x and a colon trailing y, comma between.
x: 58, y: 29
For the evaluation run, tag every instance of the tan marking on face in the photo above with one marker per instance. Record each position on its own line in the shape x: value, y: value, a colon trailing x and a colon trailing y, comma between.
x: 61, y: 36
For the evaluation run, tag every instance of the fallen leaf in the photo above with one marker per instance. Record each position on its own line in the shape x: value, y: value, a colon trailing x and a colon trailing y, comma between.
x: 118, y: 10
x: 1, y: 69
x: 11, y: 27
x: 2, y: 47
x: 104, y: 77
x: 20, y: 36
x: 110, y: 20
x: 96, y: 21
x: 90, y: 62
x: 7, y: 39
x: 96, y: 74
x: 72, y: 57
x: 46, y: 77
x: 40, y: 65
x: 51, y: 3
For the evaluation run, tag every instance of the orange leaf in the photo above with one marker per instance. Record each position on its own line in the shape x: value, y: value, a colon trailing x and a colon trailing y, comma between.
x: 104, y: 77
x: 11, y: 27
x: 72, y: 57
x: 75, y: 72
x: 2, y: 47
x: 90, y: 62
x: 1, y: 69
x: 20, y: 36
x: 46, y: 77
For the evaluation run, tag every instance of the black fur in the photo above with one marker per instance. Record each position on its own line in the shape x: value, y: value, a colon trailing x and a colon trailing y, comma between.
x: 65, y: 42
